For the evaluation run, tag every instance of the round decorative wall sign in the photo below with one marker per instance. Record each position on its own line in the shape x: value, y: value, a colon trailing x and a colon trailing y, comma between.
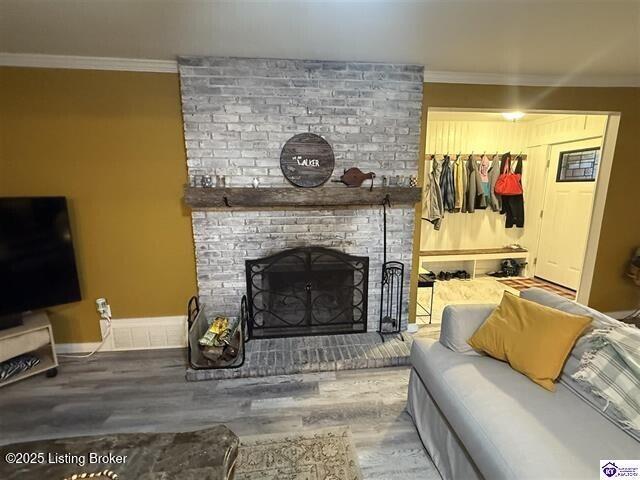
x: 307, y: 160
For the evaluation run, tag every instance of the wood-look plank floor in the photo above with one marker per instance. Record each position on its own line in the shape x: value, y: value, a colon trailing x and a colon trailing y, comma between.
x: 147, y: 392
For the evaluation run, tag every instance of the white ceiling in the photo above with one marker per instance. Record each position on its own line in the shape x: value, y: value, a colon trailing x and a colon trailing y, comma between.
x: 564, y: 38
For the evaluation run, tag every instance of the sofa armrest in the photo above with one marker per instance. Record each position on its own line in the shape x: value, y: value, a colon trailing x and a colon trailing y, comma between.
x: 459, y: 323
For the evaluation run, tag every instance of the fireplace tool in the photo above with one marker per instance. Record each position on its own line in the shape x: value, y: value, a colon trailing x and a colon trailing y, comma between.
x: 391, y: 286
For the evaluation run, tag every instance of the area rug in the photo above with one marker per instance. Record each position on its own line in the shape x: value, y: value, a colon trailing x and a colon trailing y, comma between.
x: 525, y: 283
x: 326, y: 454
x: 457, y: 292
x: 429, y: 331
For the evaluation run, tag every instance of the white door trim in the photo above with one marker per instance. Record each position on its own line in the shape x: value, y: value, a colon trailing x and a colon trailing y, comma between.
x: 535, y: 252
x: 597, y: 212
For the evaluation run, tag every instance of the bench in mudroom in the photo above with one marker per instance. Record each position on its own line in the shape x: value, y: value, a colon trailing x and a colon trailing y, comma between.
x: 477, y: 261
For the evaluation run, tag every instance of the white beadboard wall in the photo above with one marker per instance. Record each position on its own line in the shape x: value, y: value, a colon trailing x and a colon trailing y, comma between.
x: 482, y: 229
x: 564, y: 128
x: 485, y: 229
x: 478, y: 136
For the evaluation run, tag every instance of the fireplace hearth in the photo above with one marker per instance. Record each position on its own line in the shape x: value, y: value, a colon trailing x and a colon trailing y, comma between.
x: 307, y: 291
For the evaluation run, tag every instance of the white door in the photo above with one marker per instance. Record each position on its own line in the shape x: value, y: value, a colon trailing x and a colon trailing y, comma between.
x: 567, y: 211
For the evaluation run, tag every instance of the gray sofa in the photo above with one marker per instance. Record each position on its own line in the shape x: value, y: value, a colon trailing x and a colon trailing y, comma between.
x: 478, y: 418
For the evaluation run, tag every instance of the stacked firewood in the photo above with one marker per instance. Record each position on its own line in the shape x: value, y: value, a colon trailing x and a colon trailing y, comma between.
x: 221, y: 341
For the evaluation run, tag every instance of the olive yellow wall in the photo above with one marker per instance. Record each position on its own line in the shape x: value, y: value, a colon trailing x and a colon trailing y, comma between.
x: 112, y: 143
x: 620, y: 232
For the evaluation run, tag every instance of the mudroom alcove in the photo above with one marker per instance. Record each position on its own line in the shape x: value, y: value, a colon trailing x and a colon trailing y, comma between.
x: 475, y: 243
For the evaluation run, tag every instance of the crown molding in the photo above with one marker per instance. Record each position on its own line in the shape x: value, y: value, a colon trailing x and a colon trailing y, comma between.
x: 87, y: 63
x: 435, y: 76
x: 35, y: 60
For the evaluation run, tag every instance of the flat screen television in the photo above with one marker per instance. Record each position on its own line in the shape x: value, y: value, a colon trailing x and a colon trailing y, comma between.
x: 37, y: 260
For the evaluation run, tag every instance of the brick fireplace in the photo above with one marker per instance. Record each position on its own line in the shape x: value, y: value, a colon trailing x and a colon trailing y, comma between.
x: 239, y: 112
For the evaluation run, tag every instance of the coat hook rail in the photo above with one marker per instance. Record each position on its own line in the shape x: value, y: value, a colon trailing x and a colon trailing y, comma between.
x: 429, y: 156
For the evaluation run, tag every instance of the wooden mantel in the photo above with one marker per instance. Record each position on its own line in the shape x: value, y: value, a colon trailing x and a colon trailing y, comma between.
x: 269, y: 197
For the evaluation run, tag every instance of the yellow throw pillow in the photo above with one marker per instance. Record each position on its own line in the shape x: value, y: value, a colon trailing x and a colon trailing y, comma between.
x: 534, y: 339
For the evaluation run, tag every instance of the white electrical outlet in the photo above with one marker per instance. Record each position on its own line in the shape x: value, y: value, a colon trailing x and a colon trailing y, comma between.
x: 103, y: 307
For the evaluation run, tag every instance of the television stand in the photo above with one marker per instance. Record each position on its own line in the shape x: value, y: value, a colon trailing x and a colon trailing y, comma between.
x: 33, y: 336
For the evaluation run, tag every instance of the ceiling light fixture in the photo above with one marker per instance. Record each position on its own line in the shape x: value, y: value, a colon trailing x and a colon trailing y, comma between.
x: 512, y: 116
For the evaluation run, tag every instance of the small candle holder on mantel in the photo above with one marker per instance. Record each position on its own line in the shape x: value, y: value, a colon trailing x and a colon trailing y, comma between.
x: 207, y: 181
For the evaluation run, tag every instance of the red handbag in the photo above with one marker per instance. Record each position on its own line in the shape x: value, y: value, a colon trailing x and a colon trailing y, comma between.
x: 508, y: 183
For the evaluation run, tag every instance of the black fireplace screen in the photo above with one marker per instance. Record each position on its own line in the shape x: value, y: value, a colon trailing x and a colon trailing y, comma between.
x: 307, y: 291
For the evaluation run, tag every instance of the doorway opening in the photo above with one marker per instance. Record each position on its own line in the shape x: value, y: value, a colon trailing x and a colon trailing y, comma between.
x: 476, y: 244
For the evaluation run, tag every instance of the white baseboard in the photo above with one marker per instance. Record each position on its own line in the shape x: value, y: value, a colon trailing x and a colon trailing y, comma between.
x: 136, y: 334
x: 86, y: 347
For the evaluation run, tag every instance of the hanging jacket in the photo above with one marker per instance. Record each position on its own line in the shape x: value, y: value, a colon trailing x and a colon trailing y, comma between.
x: 513, y: 205
x: 475, y: 195
x: 495, y: 200
x: 506, y: 157
x: 459, y: 183
x: 465, y: 181
x: 447, y: 186
x: 483, y: 170
x: 470, y: 186
x: 432, y: 210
